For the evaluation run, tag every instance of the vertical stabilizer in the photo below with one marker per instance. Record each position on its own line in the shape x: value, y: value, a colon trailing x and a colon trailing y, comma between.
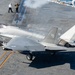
x: 69, y: 36
x: 50, y: 38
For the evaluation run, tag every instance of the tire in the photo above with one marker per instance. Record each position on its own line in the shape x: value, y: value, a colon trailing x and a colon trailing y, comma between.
x: 29, y: 57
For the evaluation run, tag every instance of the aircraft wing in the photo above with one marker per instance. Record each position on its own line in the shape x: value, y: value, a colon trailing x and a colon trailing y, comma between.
x: 51, y: 46
x: 55, y: 47
x: 8, y: 35
x: 22, y: 44
x: 8, y: 31
x: 12, y: 31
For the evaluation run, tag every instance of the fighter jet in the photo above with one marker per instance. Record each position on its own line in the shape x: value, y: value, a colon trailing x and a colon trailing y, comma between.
x: 22, y: 40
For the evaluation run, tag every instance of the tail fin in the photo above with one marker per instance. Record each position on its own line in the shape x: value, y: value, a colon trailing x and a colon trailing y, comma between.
x: 51, y: 37
x: 69, y: 36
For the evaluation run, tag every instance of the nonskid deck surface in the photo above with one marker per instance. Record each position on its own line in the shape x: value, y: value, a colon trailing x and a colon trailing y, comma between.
x: 4, y: 57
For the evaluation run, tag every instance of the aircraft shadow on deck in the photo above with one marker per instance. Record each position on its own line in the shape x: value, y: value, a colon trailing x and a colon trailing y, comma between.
x: 43, y: 61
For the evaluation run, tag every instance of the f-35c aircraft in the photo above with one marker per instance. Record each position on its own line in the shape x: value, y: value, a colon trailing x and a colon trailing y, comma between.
x: 21, y: 40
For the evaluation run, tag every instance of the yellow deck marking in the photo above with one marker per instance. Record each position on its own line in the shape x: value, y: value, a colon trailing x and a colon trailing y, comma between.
x: 8, y: 56
x: 3, y: 55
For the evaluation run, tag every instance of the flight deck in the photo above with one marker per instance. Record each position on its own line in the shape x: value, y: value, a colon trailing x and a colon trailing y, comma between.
x: 40, y: 21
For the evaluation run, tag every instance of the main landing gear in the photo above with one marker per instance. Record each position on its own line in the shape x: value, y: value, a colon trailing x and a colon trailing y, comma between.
x: 29, y: 57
